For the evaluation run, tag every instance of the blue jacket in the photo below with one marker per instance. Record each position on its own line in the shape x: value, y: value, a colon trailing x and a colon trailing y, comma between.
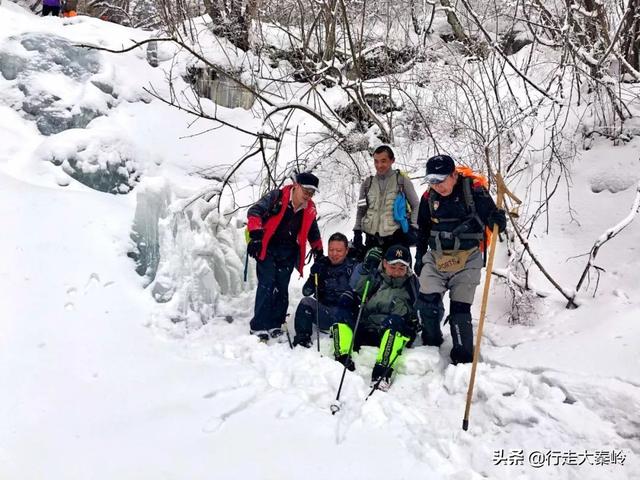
x: 333, y: 282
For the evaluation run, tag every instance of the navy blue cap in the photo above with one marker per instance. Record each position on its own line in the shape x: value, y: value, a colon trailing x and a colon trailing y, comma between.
x: 398, y: 254
x: 308, y: 180
x: 439, y: 168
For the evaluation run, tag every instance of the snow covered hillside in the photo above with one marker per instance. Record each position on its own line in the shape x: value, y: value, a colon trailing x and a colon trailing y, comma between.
x: 107, y: 374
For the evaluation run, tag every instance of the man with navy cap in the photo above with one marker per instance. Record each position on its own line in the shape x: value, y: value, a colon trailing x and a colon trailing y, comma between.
x: 452, y: 217
x: 279, y: 225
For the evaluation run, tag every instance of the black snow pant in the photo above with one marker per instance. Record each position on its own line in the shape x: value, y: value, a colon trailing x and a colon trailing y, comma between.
x: 272, y: 294
x: 431, y: 311
x: 49, y: 10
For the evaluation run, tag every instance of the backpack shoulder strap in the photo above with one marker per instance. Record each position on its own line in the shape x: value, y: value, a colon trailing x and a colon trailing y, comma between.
x: 468, y: 195
x: 400, y: 181
x: 276, y: 204
x: 367, y: 185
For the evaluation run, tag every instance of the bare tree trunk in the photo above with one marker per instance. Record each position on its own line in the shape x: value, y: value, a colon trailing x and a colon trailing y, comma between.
x: 631, y: 40
x: 329, y: 18
x: 454, y: 21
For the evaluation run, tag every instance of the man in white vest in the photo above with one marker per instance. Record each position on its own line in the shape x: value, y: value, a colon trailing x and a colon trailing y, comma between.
x: 387, y: 207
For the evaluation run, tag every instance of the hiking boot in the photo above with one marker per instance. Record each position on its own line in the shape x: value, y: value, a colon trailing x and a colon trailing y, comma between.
x: 381, y: 376
x: 304, y: 340
x: 346, y: 361
x: 277, y: 334
x: 262, y: 335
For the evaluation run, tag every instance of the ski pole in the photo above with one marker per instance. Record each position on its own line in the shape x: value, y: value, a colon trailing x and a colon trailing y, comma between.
x: 247, y: 239
x: 315, y: 276
x: 483, y: 308
x: 335, y: 406
x: 286, y: 330
x: 246, y: 265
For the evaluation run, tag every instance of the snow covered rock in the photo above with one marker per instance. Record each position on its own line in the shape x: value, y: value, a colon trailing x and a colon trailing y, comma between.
x: 103, y: 160
x: 51, y: 81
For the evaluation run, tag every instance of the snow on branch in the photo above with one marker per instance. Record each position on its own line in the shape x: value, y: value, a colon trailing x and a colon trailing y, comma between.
x: 605, y: 237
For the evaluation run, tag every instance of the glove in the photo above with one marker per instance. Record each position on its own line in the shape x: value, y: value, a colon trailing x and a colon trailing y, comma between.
x: 412, y: 235
x: 357, y: 240
x: 318, y: 254
x: 346, y: 300
x: 308, y: 290
x: 256, y: 234
x: 254, y: 248
x: 255, y: 244
x: 372, y: 258
x: 497, y: 217
x: 414, y: 328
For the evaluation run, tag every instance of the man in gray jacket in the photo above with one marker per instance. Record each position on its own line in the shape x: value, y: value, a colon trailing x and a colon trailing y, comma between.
x: 387, y: 207
x: 389, y: 317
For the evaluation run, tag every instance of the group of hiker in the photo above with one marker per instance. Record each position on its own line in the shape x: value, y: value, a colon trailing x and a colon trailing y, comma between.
x: 68, y: 8
x: 366, y: 292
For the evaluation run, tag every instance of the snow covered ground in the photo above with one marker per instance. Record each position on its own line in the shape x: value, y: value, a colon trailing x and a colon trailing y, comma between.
x: 97, y: 383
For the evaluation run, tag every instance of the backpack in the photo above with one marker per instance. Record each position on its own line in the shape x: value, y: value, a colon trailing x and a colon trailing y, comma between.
x: 471, y: 179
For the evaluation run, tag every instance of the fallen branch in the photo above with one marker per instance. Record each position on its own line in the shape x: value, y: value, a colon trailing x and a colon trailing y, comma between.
x: 605, y: 237
x: 510, y: 277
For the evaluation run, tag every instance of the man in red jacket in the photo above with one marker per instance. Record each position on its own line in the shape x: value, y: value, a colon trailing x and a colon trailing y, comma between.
x: 280, y: 224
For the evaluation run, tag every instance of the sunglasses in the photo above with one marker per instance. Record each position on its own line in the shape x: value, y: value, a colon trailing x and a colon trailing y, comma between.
x: 308, y: 192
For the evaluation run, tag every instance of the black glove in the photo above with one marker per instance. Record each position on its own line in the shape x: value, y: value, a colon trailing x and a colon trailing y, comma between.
x: 318, y: 254
x: 309, y: 288
x: 412, y: 235
x: 357, y: 240
x: 497, y: 217
x: 346, y: 300
x: 372, y: 258
x: 413, y: 328
x: 254, y: 246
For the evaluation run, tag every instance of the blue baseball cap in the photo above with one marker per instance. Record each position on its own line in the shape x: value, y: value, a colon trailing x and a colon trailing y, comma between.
x: 439, y: 168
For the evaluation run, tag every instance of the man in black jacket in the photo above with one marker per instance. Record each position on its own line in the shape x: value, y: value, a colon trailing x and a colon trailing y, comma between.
x: 452, y: 218
x: 335, y: 301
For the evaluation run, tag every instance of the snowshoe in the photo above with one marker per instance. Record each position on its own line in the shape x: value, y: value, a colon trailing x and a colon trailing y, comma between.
x: 262, y: 335
x: 277, y: 334
x: 303, y: 341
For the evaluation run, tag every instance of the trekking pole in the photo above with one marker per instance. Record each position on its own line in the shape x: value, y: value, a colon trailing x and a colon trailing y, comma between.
x: 483, y: 308
x: 315, y: 277
x: 246, y: 265
x: 335, y: 406
x: 286, y: 330
x: 247, y: 238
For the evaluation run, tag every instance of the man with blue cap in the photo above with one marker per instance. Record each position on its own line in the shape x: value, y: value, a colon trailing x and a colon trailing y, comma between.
x: 452, y: 217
